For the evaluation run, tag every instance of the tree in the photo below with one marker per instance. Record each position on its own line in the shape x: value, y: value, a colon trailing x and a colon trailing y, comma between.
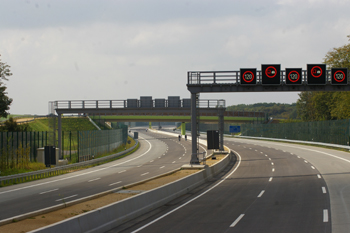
x: 12, y: 126
x: 316, y: 106
x: 340, y: 57
x: 5, y: 101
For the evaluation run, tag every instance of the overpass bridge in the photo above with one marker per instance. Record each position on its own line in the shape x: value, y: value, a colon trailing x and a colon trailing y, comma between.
x: 150, y: 110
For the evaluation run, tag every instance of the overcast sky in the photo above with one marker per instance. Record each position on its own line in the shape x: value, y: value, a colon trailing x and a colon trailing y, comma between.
x: 114, y: 50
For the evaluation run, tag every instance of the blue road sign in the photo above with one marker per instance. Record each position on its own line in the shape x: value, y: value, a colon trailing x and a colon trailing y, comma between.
x: 235, y: 129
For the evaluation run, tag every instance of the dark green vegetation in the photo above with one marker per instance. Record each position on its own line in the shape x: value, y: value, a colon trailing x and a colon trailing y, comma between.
x: 177, y: 118
x: 40, y: 166
x: 275, y: 110
x: 17, y: 155
x: 5, y: 101
x: 10, y: 125
x: 318, y: 106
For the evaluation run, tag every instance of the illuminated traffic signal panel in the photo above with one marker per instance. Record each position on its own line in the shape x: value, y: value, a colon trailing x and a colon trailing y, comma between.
x: 339, y: 76
x: 271, y: 74
x: 248, y: 76
x: 316, y: 74
x: 293, y: 76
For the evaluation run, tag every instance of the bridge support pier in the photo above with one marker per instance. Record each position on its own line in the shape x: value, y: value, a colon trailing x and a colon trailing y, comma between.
x: 221, y: 128
x: 59, y: 136
x: 183, y: 128
x: 194, y: 156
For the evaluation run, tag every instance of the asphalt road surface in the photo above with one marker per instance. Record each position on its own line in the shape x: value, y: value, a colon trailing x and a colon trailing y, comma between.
x: 273, y: 187
x: 158, y: 154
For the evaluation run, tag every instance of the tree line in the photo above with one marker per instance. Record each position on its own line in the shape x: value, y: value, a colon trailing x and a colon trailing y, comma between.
x: 312, y: 106
x: 318, y: 106
x: 275, y: 110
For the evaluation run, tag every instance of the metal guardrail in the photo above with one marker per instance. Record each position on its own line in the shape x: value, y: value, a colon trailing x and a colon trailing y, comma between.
x: 23, y: 177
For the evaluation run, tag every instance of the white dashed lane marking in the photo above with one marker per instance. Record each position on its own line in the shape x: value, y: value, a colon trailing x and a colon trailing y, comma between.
x: 49, y: 191
x: 94, y: 180
x: 261, y: 193
x: 115, y: 183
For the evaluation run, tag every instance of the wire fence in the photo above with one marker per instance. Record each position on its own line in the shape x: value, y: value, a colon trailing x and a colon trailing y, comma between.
x: 335, y: 132
x: 21, y: 147
x: 11, y: 142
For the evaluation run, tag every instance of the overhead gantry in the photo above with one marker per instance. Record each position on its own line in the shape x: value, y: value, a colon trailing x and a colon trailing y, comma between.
x: 269, y: 79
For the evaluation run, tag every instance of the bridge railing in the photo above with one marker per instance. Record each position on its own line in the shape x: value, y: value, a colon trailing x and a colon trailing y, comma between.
x: 112, y: 104
x: 233, y: 77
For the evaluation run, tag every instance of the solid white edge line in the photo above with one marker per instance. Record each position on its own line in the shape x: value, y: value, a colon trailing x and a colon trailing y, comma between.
x: 261, y: 193
x: 188, y: 202
x: 325, y: 215
x: 70, y: 177
x: 48, y: 191
x: 324, y: 190
x: 237, y: 220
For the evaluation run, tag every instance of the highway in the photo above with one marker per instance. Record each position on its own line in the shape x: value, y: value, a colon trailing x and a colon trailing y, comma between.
x: 157, y: 154
x: 273, y: 187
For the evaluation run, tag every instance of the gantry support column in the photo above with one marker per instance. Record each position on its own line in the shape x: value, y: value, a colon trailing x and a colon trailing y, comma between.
x: 194, y: 156
x: 183, y: 128
x: 221, y: 112
x: 59, y: 136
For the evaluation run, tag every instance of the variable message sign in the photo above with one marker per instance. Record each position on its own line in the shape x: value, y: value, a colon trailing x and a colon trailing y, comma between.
x: 293, y: 76
x: 271, y: 74
x: 339, y: 76
x: 316, y: 74
x: 248, y: 76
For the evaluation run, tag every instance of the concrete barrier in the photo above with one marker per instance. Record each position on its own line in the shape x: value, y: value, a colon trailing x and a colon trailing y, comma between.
x: 110, y: 216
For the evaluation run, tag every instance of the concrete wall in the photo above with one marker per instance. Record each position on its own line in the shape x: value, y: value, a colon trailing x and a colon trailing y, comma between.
x: 108, y: 217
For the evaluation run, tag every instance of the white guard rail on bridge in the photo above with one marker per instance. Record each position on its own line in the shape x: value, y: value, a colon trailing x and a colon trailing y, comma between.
x: 112, y: 104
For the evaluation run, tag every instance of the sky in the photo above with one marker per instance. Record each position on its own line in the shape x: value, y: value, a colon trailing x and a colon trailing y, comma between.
x: 115, y: 50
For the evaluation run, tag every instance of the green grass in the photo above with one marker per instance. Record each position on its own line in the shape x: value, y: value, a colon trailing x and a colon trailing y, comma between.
x: 179, y: 118
x: 68, y: 124
x: 33, y: 166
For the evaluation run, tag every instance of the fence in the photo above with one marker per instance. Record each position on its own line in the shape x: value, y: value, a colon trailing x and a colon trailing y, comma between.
x: 74, y: 144
x: 10, y: 142
x: 94, y: 143
x: 335, y: 132
x: 23, y: 177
